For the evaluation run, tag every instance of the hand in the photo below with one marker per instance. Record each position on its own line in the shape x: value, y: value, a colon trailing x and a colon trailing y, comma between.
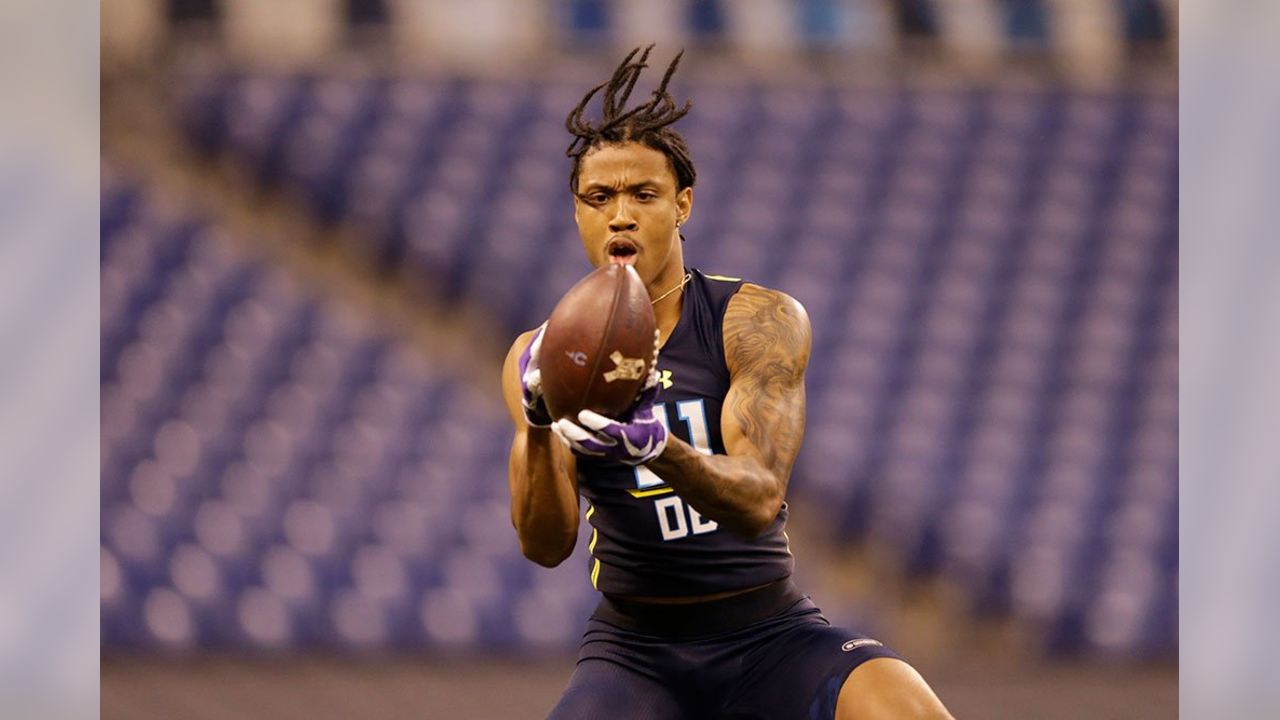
x: 634, y: 441
x: 535, y: 408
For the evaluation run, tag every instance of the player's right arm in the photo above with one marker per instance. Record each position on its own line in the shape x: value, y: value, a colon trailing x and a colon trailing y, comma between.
x: 542, y: 476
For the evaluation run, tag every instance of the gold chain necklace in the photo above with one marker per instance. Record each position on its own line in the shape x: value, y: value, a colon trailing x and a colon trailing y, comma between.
x: 683, y: 281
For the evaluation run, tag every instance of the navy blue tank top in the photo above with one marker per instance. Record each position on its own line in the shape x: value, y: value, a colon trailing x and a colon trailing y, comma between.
x: 645, y: 539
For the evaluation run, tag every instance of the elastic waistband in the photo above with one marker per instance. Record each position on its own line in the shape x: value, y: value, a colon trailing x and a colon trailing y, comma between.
x: 700, y: 619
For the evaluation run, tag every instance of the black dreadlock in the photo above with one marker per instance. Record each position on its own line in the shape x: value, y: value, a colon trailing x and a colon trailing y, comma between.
x: 648, y: 124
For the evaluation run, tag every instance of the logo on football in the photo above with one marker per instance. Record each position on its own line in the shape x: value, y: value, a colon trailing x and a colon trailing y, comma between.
x: 625, y: 368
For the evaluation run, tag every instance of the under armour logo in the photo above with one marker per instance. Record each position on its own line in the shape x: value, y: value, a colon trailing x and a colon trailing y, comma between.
x: 665, y: 379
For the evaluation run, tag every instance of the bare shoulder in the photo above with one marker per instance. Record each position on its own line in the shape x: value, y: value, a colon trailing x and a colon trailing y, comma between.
x: 766, y: 326
x: 519, y: 344
x: 511, y: 374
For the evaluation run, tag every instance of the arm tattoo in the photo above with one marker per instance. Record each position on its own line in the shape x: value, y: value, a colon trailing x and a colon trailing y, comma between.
x: 766, y: 340
x: 767, y: 343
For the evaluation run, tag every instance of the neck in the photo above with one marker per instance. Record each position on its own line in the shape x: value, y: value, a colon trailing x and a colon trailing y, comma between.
x: 667, y: 310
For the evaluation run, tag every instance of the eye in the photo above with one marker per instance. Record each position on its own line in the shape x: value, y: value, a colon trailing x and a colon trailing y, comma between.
x: 646, y: 195
x: 597, y: 198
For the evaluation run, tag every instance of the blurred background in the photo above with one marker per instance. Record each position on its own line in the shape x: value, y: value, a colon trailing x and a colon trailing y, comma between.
x: 323, y: 222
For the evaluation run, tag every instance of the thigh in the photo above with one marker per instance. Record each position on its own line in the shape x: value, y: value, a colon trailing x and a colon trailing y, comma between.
x: 888, y: 689
x: 602, y: 689
x: 797, y: 671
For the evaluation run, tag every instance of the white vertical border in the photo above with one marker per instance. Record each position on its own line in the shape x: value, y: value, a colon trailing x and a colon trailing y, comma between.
x: 49, y: 327
x: 1229, y: 344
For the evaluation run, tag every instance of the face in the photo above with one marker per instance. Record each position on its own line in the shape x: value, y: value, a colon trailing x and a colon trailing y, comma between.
x: 627, y: 209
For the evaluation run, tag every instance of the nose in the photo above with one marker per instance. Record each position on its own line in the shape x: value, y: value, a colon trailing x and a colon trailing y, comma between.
x: 622, y: 219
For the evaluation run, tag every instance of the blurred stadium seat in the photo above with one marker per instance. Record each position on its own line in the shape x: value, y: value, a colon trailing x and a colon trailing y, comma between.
x: 278, y: 474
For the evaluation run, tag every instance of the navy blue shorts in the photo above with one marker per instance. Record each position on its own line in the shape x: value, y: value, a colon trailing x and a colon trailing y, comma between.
x: 767, y: 654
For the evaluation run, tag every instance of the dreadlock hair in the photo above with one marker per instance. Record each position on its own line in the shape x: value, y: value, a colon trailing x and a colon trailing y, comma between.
x: 647, y: 124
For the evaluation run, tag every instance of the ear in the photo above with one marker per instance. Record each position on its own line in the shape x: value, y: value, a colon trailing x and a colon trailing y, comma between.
x: 684, y: 205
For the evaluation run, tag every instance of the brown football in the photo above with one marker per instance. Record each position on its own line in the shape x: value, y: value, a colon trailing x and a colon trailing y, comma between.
x: 599, y: 344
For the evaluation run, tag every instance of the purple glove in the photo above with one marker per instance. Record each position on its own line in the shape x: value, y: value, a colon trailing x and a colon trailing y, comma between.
x: 535, y: 409
x: 636, y: 440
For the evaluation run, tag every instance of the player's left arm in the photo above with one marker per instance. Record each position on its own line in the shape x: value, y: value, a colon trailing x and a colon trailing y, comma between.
x: 767, y: 340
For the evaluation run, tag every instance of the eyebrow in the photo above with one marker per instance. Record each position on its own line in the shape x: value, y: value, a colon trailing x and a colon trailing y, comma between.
x: 632, y: 187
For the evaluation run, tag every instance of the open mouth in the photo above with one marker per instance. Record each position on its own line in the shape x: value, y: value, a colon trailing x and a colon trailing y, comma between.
x: 621, y: 250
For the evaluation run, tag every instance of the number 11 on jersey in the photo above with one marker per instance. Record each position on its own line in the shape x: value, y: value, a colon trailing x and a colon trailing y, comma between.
x: 671, y: 509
